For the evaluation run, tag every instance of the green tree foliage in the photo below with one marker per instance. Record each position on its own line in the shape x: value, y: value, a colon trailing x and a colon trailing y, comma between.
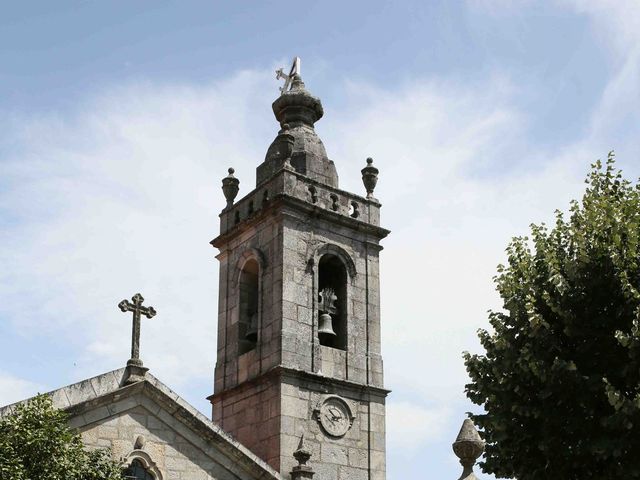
x: 37, y: 444
x: 560, y: 377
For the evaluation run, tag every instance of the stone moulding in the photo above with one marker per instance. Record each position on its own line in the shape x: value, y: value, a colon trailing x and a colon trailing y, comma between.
x: 310, y: 381
x: 341, y: 253
x: 299, y: 99
x: 249, y: 254
x: 146, y: 461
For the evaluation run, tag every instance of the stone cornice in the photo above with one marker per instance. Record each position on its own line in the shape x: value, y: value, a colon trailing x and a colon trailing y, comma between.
x: 315, y: 382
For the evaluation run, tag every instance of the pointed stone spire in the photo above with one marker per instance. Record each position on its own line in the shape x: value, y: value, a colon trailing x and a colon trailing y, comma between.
x: 302, y: 456
x: 468, y: 447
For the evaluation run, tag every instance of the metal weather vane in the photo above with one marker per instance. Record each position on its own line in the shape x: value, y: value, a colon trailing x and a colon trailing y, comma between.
x: 295, y: 70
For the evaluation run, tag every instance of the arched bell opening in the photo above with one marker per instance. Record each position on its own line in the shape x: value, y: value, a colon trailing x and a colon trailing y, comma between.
x: 332, y: 302
x: 248, y: 306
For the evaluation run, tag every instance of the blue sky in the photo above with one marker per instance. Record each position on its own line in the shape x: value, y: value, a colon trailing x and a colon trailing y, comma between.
x: 118, y: 120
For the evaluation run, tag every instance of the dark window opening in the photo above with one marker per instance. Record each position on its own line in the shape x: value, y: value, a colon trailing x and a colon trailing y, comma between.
x: 136, y: 471
x: 248, y: 307
x: 334, y: 202
x: 354, y: 211
x: 332, y: 280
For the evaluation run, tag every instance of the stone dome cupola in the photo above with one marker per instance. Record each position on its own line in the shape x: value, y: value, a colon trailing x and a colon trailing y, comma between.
x: 297, y: 146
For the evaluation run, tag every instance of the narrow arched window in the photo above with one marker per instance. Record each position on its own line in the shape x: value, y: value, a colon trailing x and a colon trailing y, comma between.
x: 332, y: 302
x: 137, y: 471
x: 248, y: 304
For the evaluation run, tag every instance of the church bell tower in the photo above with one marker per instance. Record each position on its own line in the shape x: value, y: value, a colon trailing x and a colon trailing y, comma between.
x: 299, y: 306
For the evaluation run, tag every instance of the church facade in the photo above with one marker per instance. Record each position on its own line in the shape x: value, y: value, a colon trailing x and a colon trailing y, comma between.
x: 298, y: 390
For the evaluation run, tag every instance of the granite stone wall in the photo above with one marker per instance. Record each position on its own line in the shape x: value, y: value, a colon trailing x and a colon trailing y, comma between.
x: 149, y: 422
x: 171, y: 453
x: 251, y: 413
x: 352, y: 456
x: 269, y: 396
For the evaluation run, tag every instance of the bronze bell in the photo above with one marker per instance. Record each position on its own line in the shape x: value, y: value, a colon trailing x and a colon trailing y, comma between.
x: 252, y: 329
x: 325, y: 325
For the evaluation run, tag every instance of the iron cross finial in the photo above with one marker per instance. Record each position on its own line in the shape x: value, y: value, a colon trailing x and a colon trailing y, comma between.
x: 136, y: 307
x: 295, y: 70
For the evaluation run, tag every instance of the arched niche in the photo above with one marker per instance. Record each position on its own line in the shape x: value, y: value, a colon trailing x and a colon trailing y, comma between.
x: 338, y: 252
x: 333, y: 280
x: 334, y: 269
x: 249, y: 299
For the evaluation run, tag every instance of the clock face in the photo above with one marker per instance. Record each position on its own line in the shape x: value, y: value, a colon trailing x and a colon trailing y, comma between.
x: 335, y: 416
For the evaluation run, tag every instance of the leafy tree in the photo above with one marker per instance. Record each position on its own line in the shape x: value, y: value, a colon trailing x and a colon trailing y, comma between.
x: 37, y: 444
x: 560, y: 376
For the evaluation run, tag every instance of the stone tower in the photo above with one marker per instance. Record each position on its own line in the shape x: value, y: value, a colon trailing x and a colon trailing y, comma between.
x: 299, y: 307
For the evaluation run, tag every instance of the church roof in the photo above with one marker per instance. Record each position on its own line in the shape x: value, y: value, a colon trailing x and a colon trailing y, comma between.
x: 101, y: 397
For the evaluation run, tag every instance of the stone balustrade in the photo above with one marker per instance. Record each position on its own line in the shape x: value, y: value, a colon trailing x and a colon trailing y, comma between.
x: 292, y: 186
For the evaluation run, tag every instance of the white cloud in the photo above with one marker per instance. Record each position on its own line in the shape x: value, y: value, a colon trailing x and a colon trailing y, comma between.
x: 14, y: 389
x: 411, y: 426
x: 616, y: 22
x: 119, y: 198
x: 452, y: 206
x: 124, y: 196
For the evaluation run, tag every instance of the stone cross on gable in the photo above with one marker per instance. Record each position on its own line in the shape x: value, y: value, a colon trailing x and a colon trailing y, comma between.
x: 136, y: 307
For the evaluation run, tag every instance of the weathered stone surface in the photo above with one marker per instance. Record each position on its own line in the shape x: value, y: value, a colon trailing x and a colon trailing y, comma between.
x: 280, y: 379
x: 297, y: 143
x: 468, y: 447
x: 306, y: 220
x: 351, y: 473
x: 179, y: 442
